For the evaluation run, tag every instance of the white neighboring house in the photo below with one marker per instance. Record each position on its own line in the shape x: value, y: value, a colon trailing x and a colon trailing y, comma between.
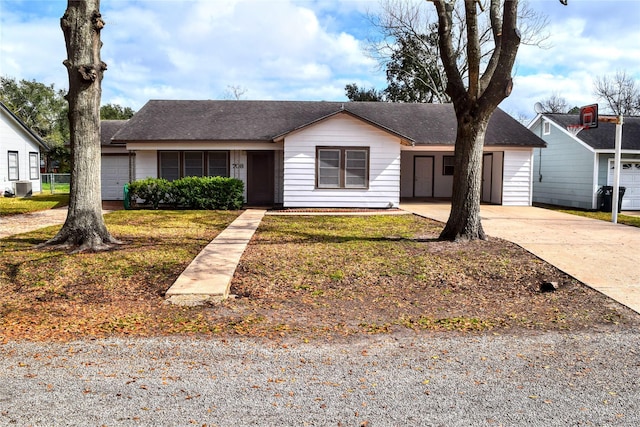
x: 318, y: 154
x: 19, y: 155
x: 573, y: 168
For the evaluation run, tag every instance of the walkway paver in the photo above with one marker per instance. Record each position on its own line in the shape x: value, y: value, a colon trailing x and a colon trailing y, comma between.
x: 211, y: 271
x: 600, y: 254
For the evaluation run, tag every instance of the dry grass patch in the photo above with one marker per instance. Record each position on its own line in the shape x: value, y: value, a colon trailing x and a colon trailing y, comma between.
x: 346, y: 275
x: 302, y: 277
x: 49, y: 294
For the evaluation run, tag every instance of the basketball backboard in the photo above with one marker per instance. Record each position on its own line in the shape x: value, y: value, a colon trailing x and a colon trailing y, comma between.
x: 589, y: 116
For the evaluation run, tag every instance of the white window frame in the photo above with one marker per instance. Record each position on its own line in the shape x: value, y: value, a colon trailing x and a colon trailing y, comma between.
x: 34, y: 166
x: 13, y: 165
x: 341, y: 181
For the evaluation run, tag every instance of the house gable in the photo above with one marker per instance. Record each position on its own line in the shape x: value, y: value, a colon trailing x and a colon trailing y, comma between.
x: 19, y: 152
x: 341, y: 132
x: 563, y: 173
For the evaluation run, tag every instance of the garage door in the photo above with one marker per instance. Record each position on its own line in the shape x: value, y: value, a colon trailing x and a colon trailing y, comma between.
x: 115, y: 174
x: 630, y: 179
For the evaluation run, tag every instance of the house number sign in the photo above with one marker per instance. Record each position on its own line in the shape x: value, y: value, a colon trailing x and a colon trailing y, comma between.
x: 238, y: 165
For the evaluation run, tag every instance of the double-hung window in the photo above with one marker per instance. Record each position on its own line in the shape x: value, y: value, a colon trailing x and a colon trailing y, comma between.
x: 448, y: 165
x: 14, y: 171
x: 342, y: 167
x: 34, y: 166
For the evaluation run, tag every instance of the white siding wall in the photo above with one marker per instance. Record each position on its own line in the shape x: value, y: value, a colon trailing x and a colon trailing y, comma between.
x: 563, y: 171
x: 342, y: 131
x: 14, y: 138
x: 517, y: 176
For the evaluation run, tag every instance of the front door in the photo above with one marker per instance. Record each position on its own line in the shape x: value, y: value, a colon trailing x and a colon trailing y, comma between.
x: 423, y: 176
x: 487, y: 177
x: 260, y: 178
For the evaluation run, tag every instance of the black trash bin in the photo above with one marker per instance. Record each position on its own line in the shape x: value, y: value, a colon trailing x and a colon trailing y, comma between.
x: 605, y: 198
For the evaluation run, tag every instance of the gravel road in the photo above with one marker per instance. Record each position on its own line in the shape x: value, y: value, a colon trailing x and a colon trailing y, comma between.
x: 545, y: 379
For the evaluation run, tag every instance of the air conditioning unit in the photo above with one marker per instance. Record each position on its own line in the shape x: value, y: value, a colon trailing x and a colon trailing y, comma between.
x: 23, y: 189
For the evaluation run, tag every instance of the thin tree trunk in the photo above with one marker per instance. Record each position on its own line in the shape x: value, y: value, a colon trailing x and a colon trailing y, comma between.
x: 84, y: 228
x: 464, y: 220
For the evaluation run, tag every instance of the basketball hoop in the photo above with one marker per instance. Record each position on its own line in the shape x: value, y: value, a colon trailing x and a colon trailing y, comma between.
x: 575, y: 129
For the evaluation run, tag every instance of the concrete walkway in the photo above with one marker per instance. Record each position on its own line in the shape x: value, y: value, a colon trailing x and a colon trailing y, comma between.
x: 600, y: 254
x: 209, y: 274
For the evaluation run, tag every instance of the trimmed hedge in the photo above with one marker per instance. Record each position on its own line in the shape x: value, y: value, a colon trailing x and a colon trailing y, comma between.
x: 213, y: 193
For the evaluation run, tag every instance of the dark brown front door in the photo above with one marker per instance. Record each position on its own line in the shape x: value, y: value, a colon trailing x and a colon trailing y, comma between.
x: 260, y: 178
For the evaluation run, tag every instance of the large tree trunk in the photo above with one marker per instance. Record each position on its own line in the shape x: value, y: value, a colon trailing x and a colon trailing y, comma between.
x: 84, y: 228
x: 464, y: 219
x: 475, y: 102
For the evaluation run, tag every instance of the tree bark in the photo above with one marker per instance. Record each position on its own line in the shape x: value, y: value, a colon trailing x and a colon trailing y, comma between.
x: 464, y: 220
x: 475, y: 103
x: 84, y: 228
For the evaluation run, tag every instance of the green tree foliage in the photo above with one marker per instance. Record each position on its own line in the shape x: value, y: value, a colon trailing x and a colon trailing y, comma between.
x: 115, y: 112
x: 354, y: 93
x: 41, y: 107
x: 412, y: 72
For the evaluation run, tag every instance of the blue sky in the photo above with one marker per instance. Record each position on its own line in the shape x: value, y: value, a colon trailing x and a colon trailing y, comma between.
x: 295, y: 49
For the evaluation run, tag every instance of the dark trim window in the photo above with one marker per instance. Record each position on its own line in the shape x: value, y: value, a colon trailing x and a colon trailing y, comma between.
x: 169, y: 165
x: 448, y: 163
x: 14, y: 170
x: 342, y: 167
x: 218, y: 163
x: 173, y: 165
x: 193, y: 163
x: 34, y: 166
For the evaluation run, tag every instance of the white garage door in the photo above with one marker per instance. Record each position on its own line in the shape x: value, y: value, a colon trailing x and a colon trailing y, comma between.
x: 630, y: 179
x: 115, y: 174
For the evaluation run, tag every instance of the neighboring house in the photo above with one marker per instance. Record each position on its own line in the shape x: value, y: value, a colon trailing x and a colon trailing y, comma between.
x: 19, y: 155
x: 323, y: 154
x: 571, y: 170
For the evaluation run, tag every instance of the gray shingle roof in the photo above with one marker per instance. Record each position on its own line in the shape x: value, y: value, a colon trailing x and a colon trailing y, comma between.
x: 108, y: 128
x: 423, y: 124
x: 603, y: 137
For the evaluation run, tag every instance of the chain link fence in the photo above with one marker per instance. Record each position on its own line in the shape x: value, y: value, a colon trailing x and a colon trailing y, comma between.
x: 55, y: 183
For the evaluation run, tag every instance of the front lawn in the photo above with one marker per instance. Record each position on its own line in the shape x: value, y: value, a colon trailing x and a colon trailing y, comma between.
x: 302, y: 278
x: 39, y: 202
x: 604, y: 216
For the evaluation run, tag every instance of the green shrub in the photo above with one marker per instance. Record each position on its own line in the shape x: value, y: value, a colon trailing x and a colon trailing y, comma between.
x: 190, y: 192
x: 152, y: 191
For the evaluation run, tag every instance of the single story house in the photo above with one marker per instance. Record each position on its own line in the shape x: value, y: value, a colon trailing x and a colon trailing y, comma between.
x: 317, y: 154
x: 19, y: 155
x: 573, y: 168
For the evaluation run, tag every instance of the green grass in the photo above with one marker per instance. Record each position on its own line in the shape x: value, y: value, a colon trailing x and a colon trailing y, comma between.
x: 39, y: 202
x: 633, y: 221
x: 57, y: 188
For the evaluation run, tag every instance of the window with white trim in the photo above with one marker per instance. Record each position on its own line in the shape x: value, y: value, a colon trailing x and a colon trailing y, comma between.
x: 342, y: 167
x: 14, y: 171
x: 546, y: 127
x: 34, y: 166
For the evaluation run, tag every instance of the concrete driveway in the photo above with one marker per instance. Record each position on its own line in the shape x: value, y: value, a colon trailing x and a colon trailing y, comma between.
x: 600, y: 254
